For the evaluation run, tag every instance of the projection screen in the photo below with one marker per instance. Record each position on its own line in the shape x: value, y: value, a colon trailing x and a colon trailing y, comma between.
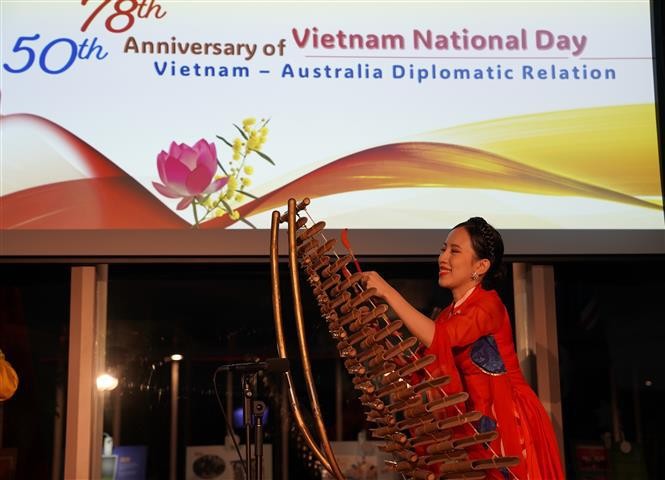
x: 154, y: 127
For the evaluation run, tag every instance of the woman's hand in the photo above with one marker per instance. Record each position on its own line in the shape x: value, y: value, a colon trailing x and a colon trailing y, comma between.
x: 374, y: 280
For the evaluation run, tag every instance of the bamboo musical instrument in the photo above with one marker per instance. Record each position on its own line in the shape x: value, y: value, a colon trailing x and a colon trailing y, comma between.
x: 425, y: 429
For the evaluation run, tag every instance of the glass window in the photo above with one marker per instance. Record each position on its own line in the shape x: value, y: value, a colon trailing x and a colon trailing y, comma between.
x: 212, y: 315
x: 34, y: 319
x: 611, y: 335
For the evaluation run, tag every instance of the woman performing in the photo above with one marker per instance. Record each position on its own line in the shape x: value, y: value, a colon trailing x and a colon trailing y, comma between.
x: 472, y: 339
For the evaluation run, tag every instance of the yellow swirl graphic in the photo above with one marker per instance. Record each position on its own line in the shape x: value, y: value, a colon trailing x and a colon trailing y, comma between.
x: 615, y: 148
x: 608, y: 154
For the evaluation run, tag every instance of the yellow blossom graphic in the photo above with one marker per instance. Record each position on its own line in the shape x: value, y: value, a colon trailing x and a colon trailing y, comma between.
x: 233, y: 179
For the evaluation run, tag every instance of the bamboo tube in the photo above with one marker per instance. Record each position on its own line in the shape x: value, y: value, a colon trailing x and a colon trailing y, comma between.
x: 304, y: 235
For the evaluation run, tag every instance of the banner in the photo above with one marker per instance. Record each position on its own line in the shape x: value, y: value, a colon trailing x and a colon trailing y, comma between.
x: 156, y: 114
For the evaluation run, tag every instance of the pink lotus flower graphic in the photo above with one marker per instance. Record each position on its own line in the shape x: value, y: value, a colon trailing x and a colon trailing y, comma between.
x: 188, y: 172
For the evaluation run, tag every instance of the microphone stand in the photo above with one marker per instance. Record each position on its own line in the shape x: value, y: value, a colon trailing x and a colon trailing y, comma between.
x: 252, y: 409
x: 259, y: 409
x: 247, y: 412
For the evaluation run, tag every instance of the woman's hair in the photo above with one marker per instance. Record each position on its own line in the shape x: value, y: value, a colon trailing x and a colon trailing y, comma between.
x: 487, y: 243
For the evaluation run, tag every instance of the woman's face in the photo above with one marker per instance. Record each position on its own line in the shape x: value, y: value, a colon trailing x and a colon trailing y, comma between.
x: 458, y: 262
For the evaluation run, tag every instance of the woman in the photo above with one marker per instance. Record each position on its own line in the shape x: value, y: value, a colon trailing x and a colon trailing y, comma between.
x: 473, y: 342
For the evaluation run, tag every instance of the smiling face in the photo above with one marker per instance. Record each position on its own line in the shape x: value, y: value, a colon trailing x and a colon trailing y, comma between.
x: 458, y: 262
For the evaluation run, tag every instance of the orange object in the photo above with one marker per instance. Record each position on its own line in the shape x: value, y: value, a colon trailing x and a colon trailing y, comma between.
x: 8, y: 379
x: 347, y: 245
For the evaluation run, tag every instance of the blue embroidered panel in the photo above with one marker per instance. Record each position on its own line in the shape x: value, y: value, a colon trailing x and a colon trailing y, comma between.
x: 485, y: 354
x: 485, y: 424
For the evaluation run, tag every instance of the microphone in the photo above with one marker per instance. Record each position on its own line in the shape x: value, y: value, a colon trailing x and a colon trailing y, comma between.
x: 277, y: 365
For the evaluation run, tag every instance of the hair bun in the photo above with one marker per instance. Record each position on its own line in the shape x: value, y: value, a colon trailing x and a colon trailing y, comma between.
x: 487, y: 243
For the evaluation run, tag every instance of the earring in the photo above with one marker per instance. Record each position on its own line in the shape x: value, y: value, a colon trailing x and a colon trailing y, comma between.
x: 474, y: 276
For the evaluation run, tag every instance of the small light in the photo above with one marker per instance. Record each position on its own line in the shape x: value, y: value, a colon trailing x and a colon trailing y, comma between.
x: 648, y: 383
x: 106, y: 382
x: 176, y: 357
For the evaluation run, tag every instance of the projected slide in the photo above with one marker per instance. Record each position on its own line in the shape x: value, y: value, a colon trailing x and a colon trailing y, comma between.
x: 148, y: 114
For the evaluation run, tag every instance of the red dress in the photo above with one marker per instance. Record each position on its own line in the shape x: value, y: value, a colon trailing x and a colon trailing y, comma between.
x: 473, y: 343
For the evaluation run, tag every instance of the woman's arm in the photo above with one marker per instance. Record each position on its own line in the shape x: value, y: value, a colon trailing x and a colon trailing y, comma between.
x: 421, y: 326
